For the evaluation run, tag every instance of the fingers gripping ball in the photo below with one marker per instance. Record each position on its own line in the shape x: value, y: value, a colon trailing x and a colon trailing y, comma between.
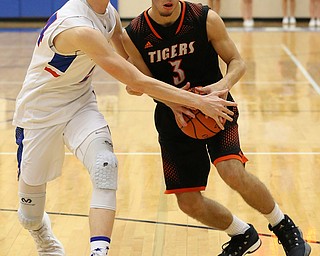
x: 200, y: 127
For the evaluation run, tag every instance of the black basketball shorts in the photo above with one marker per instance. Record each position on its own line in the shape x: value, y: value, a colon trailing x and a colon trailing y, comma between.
x: 187, y: 161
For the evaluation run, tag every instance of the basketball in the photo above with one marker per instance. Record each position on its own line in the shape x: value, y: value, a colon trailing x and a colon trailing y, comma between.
x: 200, y: 127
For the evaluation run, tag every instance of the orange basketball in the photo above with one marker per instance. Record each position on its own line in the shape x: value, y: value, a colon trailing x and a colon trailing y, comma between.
x: 200, y: 127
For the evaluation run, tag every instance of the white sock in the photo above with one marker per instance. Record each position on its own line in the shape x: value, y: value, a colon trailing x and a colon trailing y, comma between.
x: 237, y: 227
x: 275, y: 217
x: 100, y: 244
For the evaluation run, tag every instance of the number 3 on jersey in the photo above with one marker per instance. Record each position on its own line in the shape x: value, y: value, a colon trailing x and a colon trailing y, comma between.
x: 179, y: 73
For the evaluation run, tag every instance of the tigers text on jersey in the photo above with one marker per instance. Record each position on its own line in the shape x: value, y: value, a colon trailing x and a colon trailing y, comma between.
x: 56, y: 86
x: 178, y: 53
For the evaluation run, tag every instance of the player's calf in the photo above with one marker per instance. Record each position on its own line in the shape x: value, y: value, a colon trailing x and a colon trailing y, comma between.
x: 37, y: 222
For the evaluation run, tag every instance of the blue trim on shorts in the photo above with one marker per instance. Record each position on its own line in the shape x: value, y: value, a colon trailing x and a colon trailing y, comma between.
x: 19, y: 142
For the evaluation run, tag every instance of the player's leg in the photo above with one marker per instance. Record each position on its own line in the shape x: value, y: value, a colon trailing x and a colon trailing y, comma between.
x: 88, y: 137
x: 247, y: 13
x: 284, y: 8
x: 32, y: 217
x: 256, y: 194
x: 186, y: 168
x: 96, y: 153
x: 227, y: 156
x: 292, y: 8
x: 39, y: 161
x: 252, y: 190
x: 317, y: 12
x: 214, y: 5
x: 312, y: 11
x: 218, y: 6
x: 245, y: 238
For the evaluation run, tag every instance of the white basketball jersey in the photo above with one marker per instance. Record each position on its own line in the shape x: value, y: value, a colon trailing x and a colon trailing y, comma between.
x: 56, y: 85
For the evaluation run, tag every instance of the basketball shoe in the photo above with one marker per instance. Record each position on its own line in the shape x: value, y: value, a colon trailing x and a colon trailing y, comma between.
x: 99, y: 252
x: 290, y: 236
x: 47, y: 243
x: 242, y: 244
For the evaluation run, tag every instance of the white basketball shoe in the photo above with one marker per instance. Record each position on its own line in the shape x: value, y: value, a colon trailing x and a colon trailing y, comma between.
x: 47, y: 243
x: 99, y: 252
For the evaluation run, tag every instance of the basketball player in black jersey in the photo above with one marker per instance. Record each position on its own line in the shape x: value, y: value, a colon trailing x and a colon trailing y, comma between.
x: 179, y: 43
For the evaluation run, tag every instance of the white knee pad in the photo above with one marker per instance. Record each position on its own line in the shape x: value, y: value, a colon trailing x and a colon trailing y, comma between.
x: 103, y: 198
x: 104, y: 172
x: 31, y: 210
x: 96, y: 153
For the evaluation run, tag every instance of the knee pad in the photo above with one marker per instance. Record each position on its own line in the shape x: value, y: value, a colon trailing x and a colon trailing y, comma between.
x: 103, y: 198
x: 31, y: 210
x: 96, y: 153
x: 104, y: 172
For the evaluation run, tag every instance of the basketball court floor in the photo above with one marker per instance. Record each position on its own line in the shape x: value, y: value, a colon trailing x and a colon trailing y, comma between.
x: 279, y: 102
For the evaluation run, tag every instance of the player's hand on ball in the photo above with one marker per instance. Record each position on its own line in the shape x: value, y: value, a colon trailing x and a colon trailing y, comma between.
x: 209, y: 89
x: 180, y: 113
x: 202, y: 126
x: 216, y: 107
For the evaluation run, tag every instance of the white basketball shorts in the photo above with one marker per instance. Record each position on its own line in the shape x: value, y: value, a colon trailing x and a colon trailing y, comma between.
x: 43, y: 149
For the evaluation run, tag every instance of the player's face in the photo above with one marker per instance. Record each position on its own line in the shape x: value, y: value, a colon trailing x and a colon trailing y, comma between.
x: 166, y: 8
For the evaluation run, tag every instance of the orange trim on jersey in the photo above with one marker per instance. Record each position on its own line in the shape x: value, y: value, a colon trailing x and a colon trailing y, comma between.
x: 150, y: 25
x: 183, y: 12
x: 183, y: 190
x: 240, y: 157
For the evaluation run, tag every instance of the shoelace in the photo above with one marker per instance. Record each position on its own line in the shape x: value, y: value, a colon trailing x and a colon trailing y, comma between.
x: 235, y: 245
x: 289, y: 237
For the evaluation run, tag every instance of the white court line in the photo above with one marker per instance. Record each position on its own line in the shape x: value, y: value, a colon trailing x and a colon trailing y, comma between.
x: 302, y: 69
x: 272, y: 82
x: 158, y: 153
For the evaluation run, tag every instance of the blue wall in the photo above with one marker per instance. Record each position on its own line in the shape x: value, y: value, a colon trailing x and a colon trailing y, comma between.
x: 32, y: 8
x: 9, y: 8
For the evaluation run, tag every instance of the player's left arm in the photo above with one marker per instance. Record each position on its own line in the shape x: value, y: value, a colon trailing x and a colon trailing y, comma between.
x: 228, y: 52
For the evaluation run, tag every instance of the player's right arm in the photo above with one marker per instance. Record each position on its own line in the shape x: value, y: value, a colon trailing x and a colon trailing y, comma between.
x: 94, y: 45
x: 227, y: 51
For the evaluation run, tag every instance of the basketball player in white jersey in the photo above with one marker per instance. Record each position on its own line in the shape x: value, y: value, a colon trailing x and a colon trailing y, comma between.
x: 57, y: 106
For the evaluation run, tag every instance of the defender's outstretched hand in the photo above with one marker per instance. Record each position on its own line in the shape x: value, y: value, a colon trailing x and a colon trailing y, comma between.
x: 214, y: 106
x: 180, y: 111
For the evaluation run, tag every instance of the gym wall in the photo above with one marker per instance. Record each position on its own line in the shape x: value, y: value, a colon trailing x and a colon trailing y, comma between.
x: 131, y: 8
x: 229, y: 8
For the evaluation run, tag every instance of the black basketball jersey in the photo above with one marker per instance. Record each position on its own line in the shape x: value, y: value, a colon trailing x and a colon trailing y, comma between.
x: 179, y: 53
